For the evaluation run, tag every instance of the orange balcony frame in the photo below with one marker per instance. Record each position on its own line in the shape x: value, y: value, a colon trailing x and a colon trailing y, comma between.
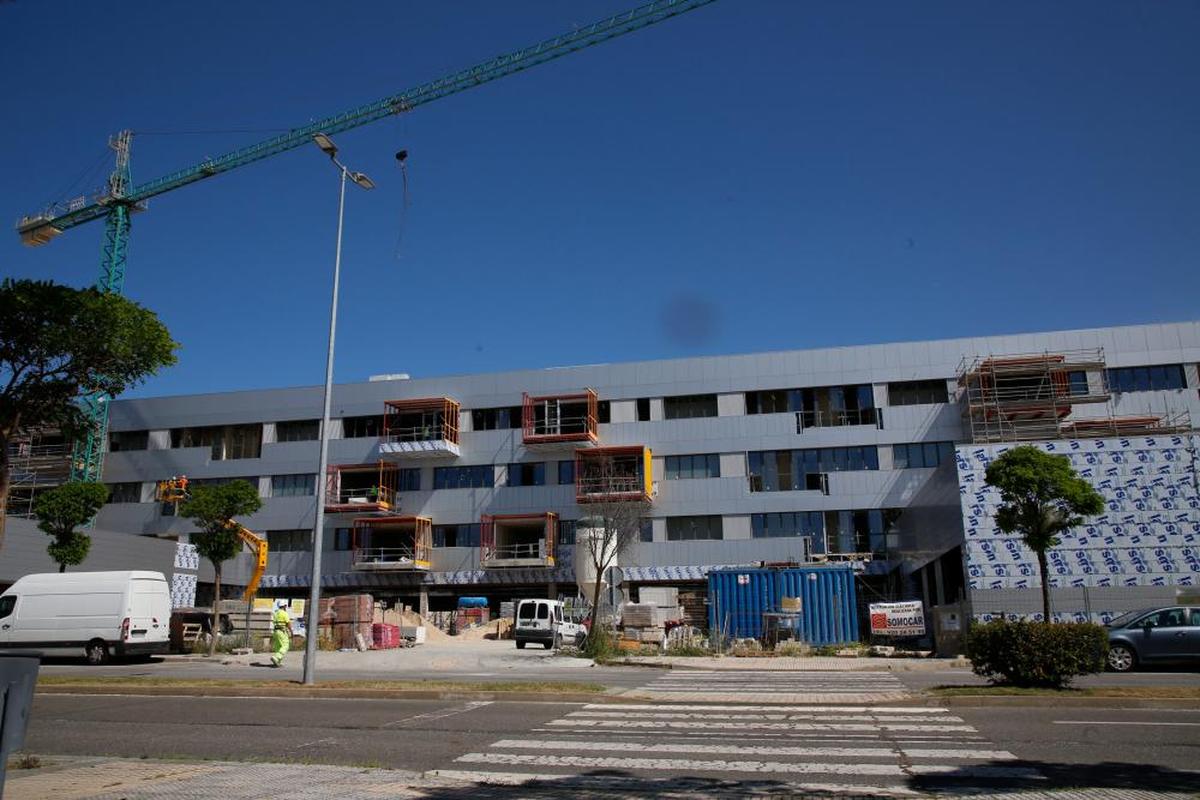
x: 378, y: 495
x: 413, y: 552
x: 493, y: 553
x: 438, y: 436
x: 584, y: 429
x: 602, y: 489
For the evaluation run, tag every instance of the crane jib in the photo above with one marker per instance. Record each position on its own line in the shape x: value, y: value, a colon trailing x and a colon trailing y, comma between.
x: 498, y: 67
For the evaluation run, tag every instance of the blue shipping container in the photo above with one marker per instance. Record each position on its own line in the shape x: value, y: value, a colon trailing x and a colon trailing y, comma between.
x: 741, y: 600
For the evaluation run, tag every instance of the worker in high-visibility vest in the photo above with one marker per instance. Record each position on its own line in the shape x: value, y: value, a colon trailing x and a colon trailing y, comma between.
x: 281, y: 633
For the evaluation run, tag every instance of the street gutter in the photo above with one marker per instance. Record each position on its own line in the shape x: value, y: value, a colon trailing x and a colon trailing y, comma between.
x: 116, y: 689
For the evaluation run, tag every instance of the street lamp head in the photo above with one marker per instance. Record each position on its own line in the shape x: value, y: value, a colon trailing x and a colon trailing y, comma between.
x: 326, y: 144
x: 362, y: 180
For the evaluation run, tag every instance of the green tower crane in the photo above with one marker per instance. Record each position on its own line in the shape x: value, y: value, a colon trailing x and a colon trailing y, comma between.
x: 120, y: 199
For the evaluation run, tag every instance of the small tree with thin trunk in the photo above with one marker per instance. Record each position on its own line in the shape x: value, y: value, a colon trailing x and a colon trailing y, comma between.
x: 57, y: 343
x: 1042, y: 496
x: 614, y: 524
x: 213, y: 509
x: 60, y: 511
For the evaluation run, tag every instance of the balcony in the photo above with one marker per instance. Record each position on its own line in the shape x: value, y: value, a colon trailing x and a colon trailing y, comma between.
x: 423, y: 428
x: 613, y: 474
x: 392, y: 544
x: 361, y: 489
x: 517, y: 540
x: 559, y: 420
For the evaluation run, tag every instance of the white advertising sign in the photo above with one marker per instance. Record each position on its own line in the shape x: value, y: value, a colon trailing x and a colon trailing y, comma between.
x: 898, y: 619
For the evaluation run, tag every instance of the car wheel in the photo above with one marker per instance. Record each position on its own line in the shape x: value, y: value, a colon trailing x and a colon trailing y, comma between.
x: 96, y: 653
x: 520, y: 645
x: 1121, y: 658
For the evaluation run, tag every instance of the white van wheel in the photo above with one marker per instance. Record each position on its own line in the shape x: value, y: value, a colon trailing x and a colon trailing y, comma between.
x: 96, y: 652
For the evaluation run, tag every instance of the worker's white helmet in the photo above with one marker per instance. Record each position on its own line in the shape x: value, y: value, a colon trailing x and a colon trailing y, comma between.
x: 281, y: 603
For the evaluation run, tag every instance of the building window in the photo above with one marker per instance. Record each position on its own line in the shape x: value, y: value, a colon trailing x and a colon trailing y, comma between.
x: 792, y: 523
x: 873, y: 531
x: 482, y: 476
x: 368, y: 427
x: 699, y: 466
x: 119, y: 441
x: 604, y: 411
x: 818, y: 407
x: 293, y: 485
x: 795, y: 470
x: 1078, y: 382
x: 125, y: 492
x: 1161, y: 377
x: 646, y: 530
x: 690, y: 406
x: 773, y: 401
x: 643, y: 409
x: 527, y: 474
x: 456, y: 535
x: 408, y: 479
x: 915, y: 393
x: 193, y: 482
x: 343, y: 539
x: 566, y: 473
x: 302, y: 430
x: 226, y: 442
x: 566, y: 532
x: 496, y: 419
x: 921, y: 454
x: 683, y: 529
x: 289, y: 541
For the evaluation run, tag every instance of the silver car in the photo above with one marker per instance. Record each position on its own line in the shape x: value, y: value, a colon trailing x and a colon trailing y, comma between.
x: 1154, y: 636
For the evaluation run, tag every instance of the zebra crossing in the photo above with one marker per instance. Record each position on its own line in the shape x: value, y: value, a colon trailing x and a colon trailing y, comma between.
x: 773, y: 686
x: 685, y: 748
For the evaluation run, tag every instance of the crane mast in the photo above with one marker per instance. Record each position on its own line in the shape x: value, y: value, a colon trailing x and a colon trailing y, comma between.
x: 121, y: 198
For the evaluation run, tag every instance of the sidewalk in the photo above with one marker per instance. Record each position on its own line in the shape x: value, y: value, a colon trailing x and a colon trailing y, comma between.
x: 799, y: 663
x: 134, y: 779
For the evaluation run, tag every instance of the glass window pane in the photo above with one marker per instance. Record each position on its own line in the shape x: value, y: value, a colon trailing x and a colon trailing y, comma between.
x: 931, y: 454
x: 871, y: 457
x: 855, y: 460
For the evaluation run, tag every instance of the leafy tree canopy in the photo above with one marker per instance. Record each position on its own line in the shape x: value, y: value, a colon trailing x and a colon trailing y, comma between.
x: 60, y: 511
x: 211, y: 508
x: 1042, y: 495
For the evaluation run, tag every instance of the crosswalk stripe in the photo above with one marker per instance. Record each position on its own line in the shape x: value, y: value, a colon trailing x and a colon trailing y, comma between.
x: 770, y: 708
x: 761, y: 767
x: 782, y: 789
x: 660, y: 747
x: 793, y: 726
x: 763, y: 716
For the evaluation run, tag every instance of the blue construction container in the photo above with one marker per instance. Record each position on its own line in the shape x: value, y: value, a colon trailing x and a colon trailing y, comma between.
x: 472, y: 602
x: 748, y: 603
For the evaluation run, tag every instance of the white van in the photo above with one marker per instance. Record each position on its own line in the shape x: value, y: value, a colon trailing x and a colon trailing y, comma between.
x: 542, y: 621
x: 94, y: 614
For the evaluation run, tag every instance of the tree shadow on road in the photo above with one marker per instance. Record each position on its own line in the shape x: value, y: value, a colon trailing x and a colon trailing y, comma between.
x: 1054, y: 775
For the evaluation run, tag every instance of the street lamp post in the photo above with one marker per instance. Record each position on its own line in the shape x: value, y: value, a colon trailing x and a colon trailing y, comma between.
x: 310, y: 639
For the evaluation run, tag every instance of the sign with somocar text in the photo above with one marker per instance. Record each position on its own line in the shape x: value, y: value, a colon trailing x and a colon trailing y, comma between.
x: 898, y: 619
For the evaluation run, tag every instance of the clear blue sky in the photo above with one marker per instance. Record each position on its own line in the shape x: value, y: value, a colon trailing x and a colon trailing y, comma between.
x: 754, y: 175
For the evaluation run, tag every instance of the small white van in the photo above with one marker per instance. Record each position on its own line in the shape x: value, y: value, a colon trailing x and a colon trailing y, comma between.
x: 94, y: 614
x: 542, y: 621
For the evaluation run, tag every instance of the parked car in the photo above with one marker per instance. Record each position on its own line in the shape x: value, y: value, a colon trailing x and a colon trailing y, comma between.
x: 92, y: 614
x: 1154, y: 636
x: 543, y: 621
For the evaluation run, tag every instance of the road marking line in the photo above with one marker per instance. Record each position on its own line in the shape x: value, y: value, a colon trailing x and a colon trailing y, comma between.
x: 778, y: 726
x: 1107, y: 722
x: 442, y: 714
x: 763, y: 716
x: 520, y: 778
x: 777, y: 709
x: 640, y: 747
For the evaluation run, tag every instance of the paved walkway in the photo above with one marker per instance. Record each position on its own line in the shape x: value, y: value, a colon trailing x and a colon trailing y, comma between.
x: 802, y: 664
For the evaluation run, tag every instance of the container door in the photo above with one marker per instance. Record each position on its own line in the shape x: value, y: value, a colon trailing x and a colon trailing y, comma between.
x: 148, y: 619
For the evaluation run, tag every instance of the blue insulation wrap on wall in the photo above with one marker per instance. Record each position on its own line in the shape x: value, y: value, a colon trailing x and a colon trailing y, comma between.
x: 739, y: 599
x: 472, y: 602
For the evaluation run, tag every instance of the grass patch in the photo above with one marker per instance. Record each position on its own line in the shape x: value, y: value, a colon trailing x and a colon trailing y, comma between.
x: 541, y: 687
x: 25, y: 761
x: 1135, y: 692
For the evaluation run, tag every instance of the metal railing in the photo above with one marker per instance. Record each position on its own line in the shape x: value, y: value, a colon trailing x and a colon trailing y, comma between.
x: 614, y: 484
x: 417, y: 433
x: 374, y: 494
x: 521, y: 550
x: 562, y: 425
x: 833, y: 418
x: 385, y: 555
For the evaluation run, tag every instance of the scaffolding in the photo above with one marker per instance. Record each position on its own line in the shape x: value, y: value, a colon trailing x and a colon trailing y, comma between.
x: 421, y: 427
x: 1031, y: 397
x: 359, y: 488
x: 569, y: 419
x: 392, y: 543
x: 37, y: 462
x: 606, y: 474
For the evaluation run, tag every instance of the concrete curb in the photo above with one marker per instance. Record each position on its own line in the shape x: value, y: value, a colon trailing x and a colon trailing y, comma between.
x: 745, y: 664
x: 317, y: 692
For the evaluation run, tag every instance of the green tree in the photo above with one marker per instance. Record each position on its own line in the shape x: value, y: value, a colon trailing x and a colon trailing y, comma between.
x: 213, y: 509
x: 1042, y: 496
x: 60, y: 511
x: 57, y: 343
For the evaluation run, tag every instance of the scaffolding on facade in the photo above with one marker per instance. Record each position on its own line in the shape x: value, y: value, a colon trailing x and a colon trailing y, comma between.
x: 1031, y: 396
x: 37, y: 461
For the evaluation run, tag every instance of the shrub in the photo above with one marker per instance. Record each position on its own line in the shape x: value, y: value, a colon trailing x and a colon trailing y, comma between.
x: 600, y: 644
x: 685, y: 647
x: 1036, y: 653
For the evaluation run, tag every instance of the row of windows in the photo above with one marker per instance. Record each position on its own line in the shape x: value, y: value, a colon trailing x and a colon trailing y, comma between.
x: 707, y: 465
x: 819, y: 406
x: 796, y: 470
x: 926, y: 454
x: 482, y: 476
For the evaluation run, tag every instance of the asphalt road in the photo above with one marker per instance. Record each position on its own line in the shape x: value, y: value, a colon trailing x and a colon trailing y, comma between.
x: 1111, y: 748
